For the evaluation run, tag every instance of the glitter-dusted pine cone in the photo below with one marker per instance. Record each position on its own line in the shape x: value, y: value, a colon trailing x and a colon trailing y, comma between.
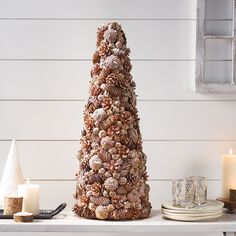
x: 111, y: 178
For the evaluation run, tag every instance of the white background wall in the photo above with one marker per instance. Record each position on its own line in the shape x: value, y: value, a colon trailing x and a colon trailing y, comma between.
x: 45, y: 51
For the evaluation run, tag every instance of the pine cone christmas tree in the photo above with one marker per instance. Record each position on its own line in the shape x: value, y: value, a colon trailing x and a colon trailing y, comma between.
x: 111, y: 180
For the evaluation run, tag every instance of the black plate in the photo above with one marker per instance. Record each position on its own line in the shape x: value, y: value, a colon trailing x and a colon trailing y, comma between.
x: 43, y: 214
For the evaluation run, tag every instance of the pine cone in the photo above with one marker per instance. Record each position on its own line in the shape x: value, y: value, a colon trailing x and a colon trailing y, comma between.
x: 100, y: 200
x: 121, y: 190
x: 100, y: 34
x: 120, y: 214
x: 96, y: 189
x: 96, y: 57
x: 95, y: 71
x: 134, y: 213
x: 96, y: 178
x: 84, y: 212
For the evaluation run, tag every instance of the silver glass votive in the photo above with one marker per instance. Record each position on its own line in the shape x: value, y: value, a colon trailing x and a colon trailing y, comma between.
x: 200, y: 193
x: 183, y: 193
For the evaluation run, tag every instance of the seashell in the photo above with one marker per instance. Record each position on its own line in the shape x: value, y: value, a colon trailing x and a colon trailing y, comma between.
x: 119, y: 45
x: 109, y: 113
x: 103, y: 87
x: 100, y: 97
x: 99, y: 114
x: 95, y: 130
x: 116, y: 157
x: 133, y: 196
x: 107, y: 143
x: 94, y: 145
x: 133, y: 134
x: 116, y: 175
x: 112, y: 62
x: 108, y: 174
x: 118, y: 145
x: 96, y: 189
x: 116, y: 110
x: 116, y: 51
x: 105, y: 193
x: 122, y: 181
x: 112, y: 194
x: 112, y: 150
x: 110, y: 35
x: 111, y: 184
x: 102, y: 133
x: 95, y: 162
x: 100, y: 200
x: 121, y: 190
x: 81, y: 180
x: 102, y: 212
x: 101, y: 171
x: 92, y: 206
x: 89, y: 193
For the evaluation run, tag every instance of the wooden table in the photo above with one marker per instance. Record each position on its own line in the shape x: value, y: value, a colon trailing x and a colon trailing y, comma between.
x: 67, y: 222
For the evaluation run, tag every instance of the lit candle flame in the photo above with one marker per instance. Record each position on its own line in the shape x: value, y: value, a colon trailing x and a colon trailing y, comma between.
x: 230, y: 151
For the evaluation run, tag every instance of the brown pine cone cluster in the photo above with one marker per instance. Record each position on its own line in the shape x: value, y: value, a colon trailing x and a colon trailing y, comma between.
x: 111, y: 180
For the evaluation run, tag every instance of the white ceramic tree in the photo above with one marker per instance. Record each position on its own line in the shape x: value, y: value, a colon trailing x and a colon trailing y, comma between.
x: 12, y: 174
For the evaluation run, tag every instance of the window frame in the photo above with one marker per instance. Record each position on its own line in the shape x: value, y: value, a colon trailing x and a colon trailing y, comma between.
x: 201, y: 37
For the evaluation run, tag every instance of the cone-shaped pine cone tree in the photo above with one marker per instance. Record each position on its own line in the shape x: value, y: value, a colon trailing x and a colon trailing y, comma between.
x: 111, y: 180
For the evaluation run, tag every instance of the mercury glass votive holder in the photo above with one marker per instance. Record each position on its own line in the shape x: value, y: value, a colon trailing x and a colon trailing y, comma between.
x: 183, y: 193
x: 200, y: 193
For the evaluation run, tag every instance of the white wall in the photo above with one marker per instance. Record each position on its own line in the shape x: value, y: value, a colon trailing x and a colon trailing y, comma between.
x: 45, y: 51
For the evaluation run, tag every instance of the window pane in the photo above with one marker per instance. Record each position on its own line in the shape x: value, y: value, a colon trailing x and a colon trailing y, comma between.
x: 219, y: 9
x: 218, y: 72
x: 218, y: 28
x: 218, y: 49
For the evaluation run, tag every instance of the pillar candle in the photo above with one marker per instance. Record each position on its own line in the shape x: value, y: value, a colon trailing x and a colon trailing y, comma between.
x: 30, y: 194
x: 228, y: 173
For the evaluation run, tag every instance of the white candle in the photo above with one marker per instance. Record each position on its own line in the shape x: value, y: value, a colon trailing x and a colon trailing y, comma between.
x: 30, y: 194
x: 228, y: 173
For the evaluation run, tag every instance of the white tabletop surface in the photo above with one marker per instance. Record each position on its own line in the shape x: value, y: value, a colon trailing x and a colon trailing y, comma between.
x: 67, y: 222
